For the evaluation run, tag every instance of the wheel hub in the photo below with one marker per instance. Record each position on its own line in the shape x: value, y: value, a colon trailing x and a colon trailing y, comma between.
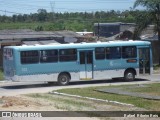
x: 130, y: 76
x: 64, y: 79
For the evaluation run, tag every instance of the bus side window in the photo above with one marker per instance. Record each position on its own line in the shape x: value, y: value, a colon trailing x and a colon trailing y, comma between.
x: 129, y: 52
x: 29, y: 57
x: 100, y: 53
x: 67, y: 55
x: 47, y: 56
x: 113, y: 53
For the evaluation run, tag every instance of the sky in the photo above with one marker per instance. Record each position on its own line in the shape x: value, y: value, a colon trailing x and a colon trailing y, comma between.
x: 10, y: 7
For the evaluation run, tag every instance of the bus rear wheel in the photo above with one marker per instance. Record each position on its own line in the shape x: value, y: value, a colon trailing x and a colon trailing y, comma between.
x: 129, y: 76
x: 63, y: 79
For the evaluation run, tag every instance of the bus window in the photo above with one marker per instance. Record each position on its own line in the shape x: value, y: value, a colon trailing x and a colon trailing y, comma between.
x: 8, y: 54
x: 129, y: 52
x: 29, y: 57
x: 48, y: 56
x: 100, y: 53
x: 67, y: 55
x: 113, y: 53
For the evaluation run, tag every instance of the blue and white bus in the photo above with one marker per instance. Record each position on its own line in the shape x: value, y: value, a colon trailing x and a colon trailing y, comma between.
x: 65, y: 63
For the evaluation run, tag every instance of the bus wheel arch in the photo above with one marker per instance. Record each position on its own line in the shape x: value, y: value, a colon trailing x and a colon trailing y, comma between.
x: 129, y: 74
x: 63, y: 78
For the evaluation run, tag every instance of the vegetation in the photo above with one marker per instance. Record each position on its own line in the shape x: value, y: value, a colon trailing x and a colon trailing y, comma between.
x: 64, y: 103
x: 1, y: 74
x: 152, y: 89
x: 151, y: 16
x: 156, y: 67
x: 78, y: 21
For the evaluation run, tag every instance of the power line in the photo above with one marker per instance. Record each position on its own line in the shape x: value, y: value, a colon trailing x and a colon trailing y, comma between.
x: 70, y: 5
x: 5, y: 11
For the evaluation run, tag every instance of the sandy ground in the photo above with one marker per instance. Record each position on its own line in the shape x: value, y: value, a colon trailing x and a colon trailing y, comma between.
x: 12, y: 103
x: 24, y: 103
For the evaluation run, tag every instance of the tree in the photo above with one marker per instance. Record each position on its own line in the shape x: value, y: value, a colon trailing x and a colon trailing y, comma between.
x: 152, y: 16
x: 42, y: 15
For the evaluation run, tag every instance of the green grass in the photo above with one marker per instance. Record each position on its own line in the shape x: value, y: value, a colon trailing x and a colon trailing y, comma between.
x: 1, y: 75
x: 156, y: 67
x: 139, y: 102
x: 48, y: 26
x: 32, y: 26
x: 65, y: 103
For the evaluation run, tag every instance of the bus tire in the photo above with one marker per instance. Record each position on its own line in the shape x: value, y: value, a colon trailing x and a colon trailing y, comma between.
x: 63, y: 79
x: 129, y: 75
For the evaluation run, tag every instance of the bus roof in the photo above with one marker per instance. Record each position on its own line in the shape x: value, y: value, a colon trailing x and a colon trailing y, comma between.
x: 82, y: 45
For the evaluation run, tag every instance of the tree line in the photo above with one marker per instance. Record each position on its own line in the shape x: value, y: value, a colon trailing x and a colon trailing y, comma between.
x: 43, y: 16
x: 76, y: 21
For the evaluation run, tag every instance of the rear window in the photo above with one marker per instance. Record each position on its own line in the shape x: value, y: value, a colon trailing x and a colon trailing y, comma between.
x: 8, y: 54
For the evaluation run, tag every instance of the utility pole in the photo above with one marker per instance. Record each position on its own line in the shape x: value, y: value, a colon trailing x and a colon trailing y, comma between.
x: 98, y: 30
x: 52, y: 3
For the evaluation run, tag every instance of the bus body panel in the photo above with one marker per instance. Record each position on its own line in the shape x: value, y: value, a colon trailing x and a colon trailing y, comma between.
x: 89, y: 69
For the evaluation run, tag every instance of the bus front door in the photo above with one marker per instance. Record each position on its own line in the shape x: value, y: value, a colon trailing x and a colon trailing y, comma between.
x: 86, y: 64
x: 144, y: 61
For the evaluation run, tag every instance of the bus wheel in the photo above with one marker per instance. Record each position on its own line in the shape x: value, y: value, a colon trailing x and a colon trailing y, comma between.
x: 129, y: 75
x: 63, y: 79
